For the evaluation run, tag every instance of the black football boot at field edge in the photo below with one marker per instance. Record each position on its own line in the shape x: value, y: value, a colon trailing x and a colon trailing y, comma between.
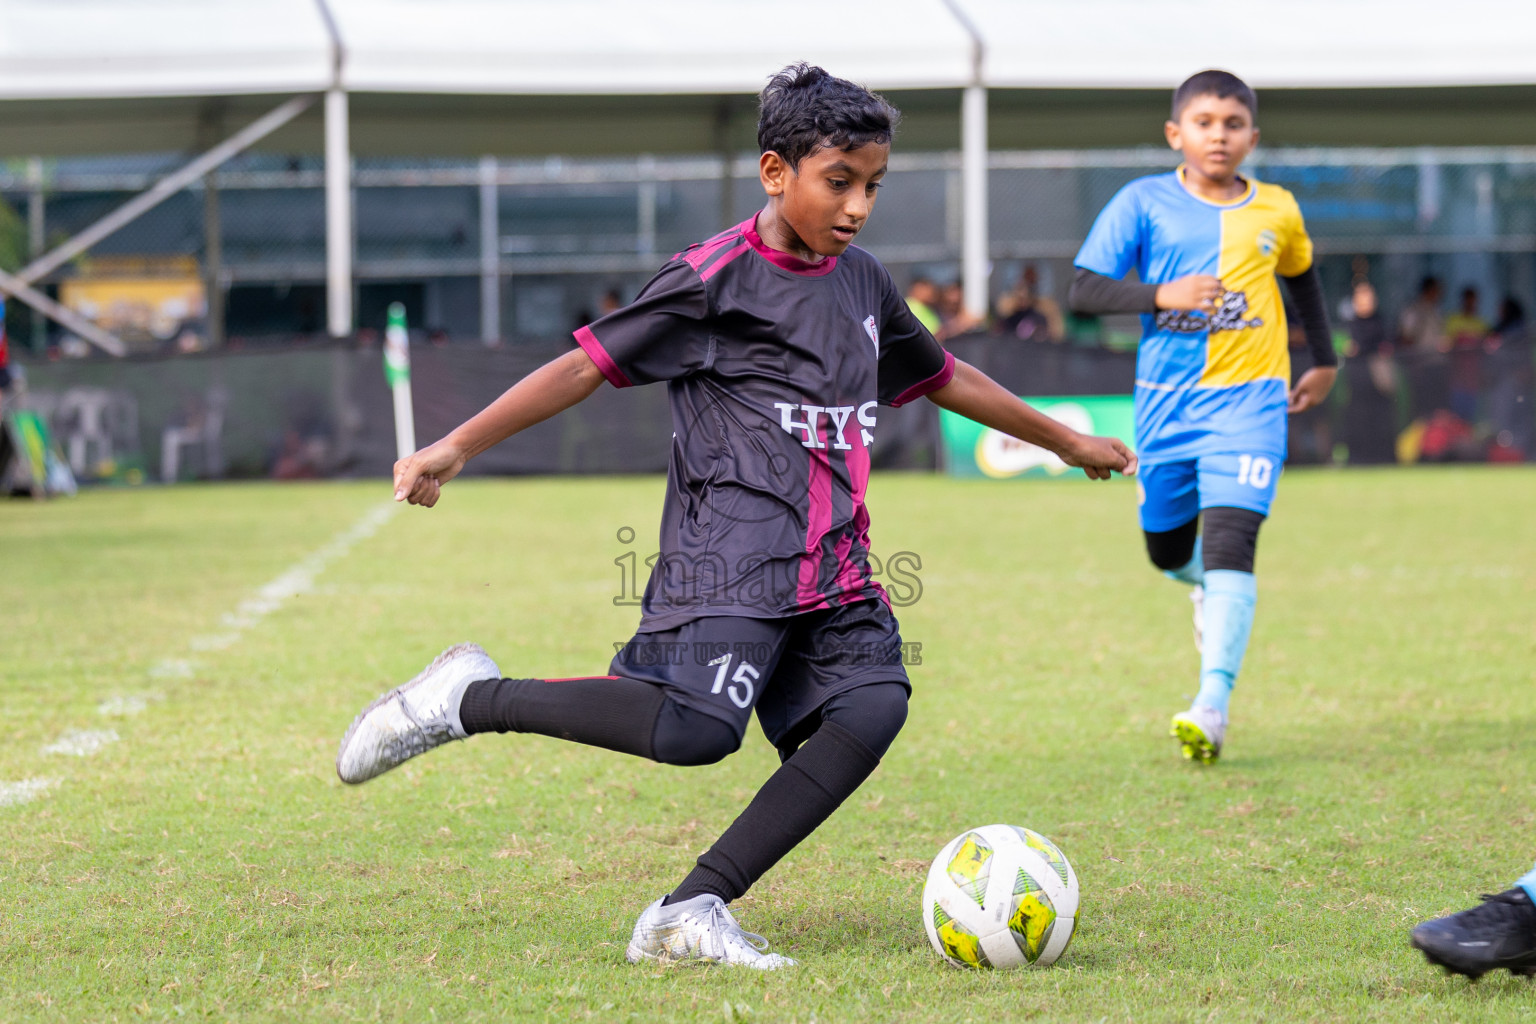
x: 1498, y: 933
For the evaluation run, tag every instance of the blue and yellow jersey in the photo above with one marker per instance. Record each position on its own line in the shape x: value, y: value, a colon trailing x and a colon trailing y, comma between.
x: 1212, y: 383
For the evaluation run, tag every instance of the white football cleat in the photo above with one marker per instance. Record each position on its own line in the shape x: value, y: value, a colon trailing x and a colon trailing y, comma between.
x: 414, y: 718
x: 1197, y: 598
x: 699, y: 929
x: 1200, y: 732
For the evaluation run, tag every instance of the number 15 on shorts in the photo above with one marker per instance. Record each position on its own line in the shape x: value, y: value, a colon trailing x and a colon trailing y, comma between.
x: 741, y: 689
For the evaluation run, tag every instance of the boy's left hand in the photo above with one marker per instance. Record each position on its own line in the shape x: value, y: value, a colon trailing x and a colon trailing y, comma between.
x: 1312, y: 389
x: 1100, y: 456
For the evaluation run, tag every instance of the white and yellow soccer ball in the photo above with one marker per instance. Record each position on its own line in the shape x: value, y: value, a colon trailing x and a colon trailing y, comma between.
x: 1000, y: 896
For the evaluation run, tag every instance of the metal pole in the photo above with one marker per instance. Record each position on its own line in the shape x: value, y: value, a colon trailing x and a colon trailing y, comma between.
x: 973, y: 160
x: 213, y: 262
x: 490, y: 253
x: 973, y: 144
x: 338, y: 216
x: 727, y: 163
x: 645, y: 228
x: 37, y: 235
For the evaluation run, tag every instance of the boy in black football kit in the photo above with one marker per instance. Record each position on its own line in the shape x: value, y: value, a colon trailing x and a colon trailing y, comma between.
x: 779, y: 343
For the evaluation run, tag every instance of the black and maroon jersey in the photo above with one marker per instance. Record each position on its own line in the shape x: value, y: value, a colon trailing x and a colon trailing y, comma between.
x: 775, y: 369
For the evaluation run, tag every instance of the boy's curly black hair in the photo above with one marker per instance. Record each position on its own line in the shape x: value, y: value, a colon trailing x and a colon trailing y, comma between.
x: 1220, y: 84
x: 803, y: 108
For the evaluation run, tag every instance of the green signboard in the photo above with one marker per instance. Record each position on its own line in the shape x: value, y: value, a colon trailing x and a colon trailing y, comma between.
x: 972, y: 450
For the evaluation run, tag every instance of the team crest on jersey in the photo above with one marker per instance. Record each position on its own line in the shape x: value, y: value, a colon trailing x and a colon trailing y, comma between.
x: 1267, y: 242
x: 873, y: 331
x: 1228, y: 317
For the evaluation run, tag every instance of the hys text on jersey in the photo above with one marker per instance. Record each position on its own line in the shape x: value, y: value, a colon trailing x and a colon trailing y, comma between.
x: 816, y: 425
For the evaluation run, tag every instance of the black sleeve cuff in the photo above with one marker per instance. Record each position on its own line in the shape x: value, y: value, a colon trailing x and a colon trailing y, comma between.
x: 1095, y: 293
x: 1306, y: 290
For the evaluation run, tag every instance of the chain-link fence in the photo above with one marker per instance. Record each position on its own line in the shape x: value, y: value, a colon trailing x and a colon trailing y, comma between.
x: 567, y: 231
x: 551, y: 241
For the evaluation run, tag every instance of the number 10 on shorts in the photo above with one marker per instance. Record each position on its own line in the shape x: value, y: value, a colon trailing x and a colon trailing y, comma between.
x: 1254, y: 470
x: 744, y: 676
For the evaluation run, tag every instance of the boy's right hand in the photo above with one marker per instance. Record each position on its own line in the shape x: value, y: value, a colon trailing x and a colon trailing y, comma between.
x: 1098, y: 456
x: 1197, y: 293
x: 419, y: 477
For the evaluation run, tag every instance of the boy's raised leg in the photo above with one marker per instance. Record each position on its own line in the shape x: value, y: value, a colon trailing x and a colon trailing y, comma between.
x: 414, y: 718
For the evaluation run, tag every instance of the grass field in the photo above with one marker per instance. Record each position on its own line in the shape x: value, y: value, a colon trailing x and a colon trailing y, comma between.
x: 212, y: 643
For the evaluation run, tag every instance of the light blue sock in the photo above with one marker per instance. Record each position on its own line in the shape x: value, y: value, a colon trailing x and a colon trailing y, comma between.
x: 1528, y: 883
x: 1194, y: 572
x: 1229, y: 601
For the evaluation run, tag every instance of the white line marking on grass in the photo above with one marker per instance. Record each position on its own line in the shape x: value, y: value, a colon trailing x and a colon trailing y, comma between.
x: 216, y: 642
x: 82, y: 742
x: 300, y: 579
x: 127, y: 704
x: 25, y: 791
x: 296, y: 580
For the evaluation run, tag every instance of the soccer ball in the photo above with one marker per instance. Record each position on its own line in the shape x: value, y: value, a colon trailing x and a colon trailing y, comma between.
x: 1000, y: 896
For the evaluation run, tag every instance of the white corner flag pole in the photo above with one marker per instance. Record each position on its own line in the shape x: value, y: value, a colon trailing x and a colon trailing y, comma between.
x: 397, y: 371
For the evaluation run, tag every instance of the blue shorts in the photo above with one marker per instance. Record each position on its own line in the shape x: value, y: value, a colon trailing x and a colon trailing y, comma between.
x: 1173, y: 493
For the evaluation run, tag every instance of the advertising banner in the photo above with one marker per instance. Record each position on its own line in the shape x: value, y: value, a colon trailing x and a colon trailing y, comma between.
x: 971, y: 450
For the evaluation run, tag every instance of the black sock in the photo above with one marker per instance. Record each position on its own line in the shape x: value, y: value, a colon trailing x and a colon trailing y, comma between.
x: 796, y: 799
x: 602, y: 711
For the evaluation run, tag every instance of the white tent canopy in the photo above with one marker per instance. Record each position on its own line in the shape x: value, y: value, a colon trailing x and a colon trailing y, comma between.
x: 527, y: 77
x: 524, y: 77
x: 99, y: 49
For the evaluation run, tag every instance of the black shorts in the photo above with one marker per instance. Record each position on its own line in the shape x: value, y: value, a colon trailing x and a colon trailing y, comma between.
x: 785, y: 668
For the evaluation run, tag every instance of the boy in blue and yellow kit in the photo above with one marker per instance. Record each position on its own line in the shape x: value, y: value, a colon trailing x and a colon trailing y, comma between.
x: 1213, y: 372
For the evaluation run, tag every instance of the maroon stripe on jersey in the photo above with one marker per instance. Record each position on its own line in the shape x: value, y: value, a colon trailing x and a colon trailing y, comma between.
x: 711, y: 240
x: 818, y: 521
x: 793, y: 264
x: 851, y: 572
x: 714, y: 268
x: 933, y: 383
x: 594, y: 348
x: 696, y: 258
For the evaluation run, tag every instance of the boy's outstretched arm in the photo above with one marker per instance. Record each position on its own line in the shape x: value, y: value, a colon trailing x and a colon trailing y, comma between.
x: 552, y: 388
x: 978, y: 397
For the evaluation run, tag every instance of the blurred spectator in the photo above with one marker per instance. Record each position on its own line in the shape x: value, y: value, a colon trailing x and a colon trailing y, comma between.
x: 953, y: 318
x: 1024, y: 314
x: 299, y: 457
x: 1510, y: 398
x: 1370, y: 420
x: 1448, y: 438
x: 1420, y: 326
x: 607, y: 303
x: 923, y: 300
x: 1465, y: 334
x: 1423, y: 348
